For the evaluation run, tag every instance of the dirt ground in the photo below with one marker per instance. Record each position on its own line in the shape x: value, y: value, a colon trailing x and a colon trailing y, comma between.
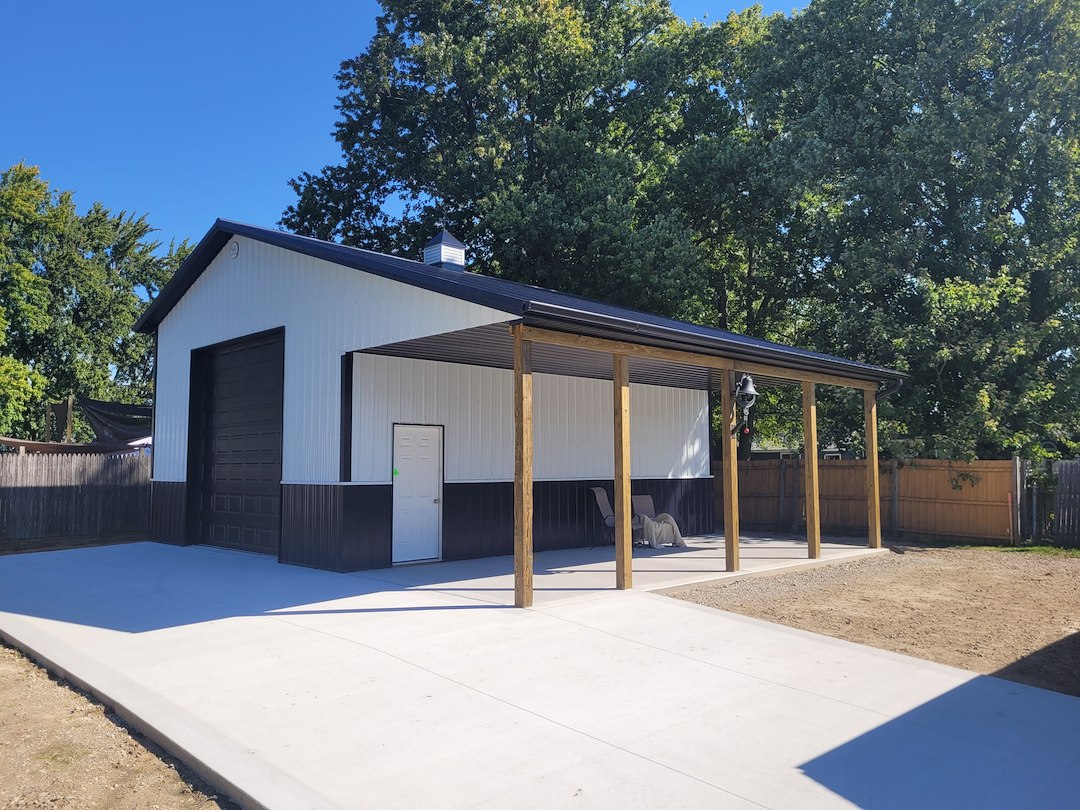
x: 61, y: 749
x: 1011, y: 613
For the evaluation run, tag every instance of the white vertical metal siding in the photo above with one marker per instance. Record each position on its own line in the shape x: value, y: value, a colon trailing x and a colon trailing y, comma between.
x: 574, y: 423
x: 326, y: 310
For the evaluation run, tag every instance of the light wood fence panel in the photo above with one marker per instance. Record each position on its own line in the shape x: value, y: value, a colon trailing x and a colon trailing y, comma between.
x: 49, y: 500
x: 759, y: 487
x: 936, y: 499
x: 955, y: 499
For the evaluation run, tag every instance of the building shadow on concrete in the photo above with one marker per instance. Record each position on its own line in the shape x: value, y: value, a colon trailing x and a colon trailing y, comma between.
x: 143, y: 587
x: 140, y: 587
x: 1006, y: 745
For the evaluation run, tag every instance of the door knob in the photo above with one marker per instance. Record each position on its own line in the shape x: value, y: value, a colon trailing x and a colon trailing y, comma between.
x: 435, y: 501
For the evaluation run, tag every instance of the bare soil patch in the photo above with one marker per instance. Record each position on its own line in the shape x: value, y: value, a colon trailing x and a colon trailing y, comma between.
x: 61, y: 749
x: 1001, y: 612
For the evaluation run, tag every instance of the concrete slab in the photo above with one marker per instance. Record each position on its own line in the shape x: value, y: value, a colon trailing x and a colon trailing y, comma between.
x: 570, y: 574
x: 299, y: 688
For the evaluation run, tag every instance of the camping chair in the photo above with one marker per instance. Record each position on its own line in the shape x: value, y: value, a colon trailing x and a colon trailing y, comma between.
x: 608, y: 516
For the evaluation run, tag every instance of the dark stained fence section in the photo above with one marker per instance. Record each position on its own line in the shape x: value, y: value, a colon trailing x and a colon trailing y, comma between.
x: 48, y: 501
x: 1067, y: 503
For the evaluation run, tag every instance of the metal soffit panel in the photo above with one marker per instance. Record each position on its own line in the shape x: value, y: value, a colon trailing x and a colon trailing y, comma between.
x: 493, y: 347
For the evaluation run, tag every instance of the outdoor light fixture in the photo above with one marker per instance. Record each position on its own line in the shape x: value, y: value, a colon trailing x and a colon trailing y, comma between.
x: 745, y: 397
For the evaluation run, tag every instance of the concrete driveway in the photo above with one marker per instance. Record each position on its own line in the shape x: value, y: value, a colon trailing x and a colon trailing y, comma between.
x: 299, y: 688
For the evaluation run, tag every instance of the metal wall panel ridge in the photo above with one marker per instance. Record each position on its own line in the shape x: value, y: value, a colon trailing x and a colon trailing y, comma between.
x: 336, y: 527
x: 573, y: 417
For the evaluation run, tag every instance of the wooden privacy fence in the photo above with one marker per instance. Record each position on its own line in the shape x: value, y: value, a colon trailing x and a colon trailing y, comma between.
x: 1066, y: 522
x: 48, y: 500
x: 924, y: 498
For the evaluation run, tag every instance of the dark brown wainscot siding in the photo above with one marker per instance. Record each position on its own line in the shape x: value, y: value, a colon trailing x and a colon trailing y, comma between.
x: 348, y: 527
x: 366, y: 539
x: 688, y: 500
x: 336, y: 527
x: 478, y: 518
x: 168, y: 512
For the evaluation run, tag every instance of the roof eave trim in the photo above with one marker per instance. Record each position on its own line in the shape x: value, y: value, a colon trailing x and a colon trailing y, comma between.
x: 182, y: 279
x: 540, y: 314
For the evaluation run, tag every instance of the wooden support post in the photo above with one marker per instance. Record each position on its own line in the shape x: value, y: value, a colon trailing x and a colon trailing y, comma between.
x: 894, y: 520
x: 729, y: 452
x: 873, y: 478
x: 624, y: 561
x: 523, y: 473
x: 810, y: 451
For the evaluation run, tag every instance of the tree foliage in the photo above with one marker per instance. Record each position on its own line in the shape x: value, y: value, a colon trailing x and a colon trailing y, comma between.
x: 942, y: 142
x: 894, y: 182
x: 71, y: 287
x: 538, y: 132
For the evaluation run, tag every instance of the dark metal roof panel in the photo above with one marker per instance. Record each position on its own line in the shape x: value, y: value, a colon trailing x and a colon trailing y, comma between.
x: 534, y: 305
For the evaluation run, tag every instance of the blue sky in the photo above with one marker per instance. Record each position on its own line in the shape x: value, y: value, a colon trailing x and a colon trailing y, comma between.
x: 186, y: 111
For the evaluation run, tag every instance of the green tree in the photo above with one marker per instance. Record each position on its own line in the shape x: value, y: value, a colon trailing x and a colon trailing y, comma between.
x: 71, y: 287
x: 940, y: 141
x: 539, y: 132
x: 893, y: 182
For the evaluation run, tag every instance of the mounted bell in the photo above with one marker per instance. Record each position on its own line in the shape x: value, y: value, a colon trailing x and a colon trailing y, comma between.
x: 745, y: 397
x: 746, y: 388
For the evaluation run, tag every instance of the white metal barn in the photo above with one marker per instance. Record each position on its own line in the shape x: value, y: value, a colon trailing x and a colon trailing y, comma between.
x: 345, y: 409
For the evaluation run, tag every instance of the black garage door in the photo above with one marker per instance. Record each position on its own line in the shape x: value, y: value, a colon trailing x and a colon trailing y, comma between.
x: 237, y: 399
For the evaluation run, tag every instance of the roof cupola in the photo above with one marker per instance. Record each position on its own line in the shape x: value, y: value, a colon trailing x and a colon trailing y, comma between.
x: 443, y: 250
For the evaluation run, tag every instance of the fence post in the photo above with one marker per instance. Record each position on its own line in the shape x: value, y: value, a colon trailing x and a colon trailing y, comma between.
x: 1014, y: 517
x: 1034, y: 511
x: 780, y: 505
x: 795, y: 511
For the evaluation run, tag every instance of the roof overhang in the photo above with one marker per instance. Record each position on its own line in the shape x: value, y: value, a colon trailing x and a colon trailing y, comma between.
x: 561, y: 319
x: 492, y: 346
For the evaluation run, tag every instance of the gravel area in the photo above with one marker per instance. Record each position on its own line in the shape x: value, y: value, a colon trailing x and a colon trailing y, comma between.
x: 61, y: 749
x: 1015, y: 614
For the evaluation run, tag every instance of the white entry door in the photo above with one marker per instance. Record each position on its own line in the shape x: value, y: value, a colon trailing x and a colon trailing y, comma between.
x: 417, y: 493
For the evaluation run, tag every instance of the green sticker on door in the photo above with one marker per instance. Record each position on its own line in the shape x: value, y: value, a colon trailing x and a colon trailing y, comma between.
x: 396, y: 473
